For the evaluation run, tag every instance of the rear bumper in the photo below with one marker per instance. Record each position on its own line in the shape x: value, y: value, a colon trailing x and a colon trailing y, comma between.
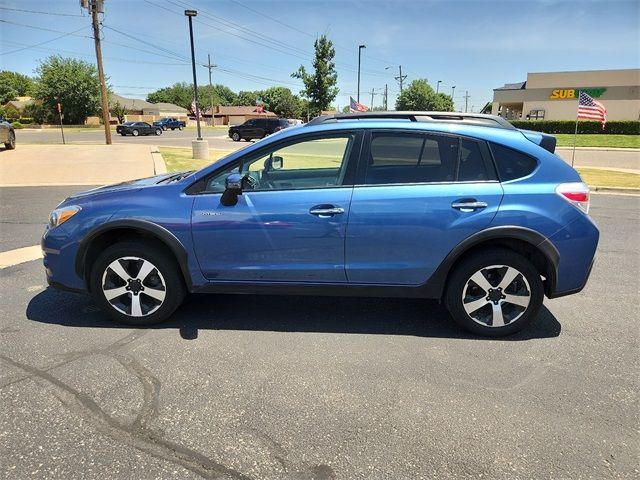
x: 577, y: 244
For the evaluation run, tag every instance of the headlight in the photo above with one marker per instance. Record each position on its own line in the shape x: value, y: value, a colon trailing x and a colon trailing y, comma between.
x: 61, y: 215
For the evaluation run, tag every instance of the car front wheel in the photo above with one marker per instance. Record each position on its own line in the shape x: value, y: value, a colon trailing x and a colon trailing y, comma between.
x: 158, y: 131
x: 11, y: 141
x: 235, y: 136
x: 135, y: 133
x: 494, y: 293
x: 137, y: 284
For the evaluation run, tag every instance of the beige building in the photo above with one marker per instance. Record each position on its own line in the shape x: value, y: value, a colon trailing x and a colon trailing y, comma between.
x: 554, y: 95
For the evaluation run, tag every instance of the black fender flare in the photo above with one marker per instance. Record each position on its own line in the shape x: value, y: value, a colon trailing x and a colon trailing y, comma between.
x: 145, y: 226
x: 438, y: 280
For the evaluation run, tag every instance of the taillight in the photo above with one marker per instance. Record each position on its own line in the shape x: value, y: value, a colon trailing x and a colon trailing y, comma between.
x: 576, y: 193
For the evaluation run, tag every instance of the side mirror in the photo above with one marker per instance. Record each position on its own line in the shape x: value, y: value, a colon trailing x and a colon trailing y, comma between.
x: 232, y: 188
x: 277, y: 163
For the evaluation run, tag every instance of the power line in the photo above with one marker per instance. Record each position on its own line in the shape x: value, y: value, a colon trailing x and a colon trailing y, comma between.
x: 41, y: 13
x: 43, y: 28
x: 42, y: 43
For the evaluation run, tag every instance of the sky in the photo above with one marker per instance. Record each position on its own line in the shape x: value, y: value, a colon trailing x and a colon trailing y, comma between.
x: 474, y: 45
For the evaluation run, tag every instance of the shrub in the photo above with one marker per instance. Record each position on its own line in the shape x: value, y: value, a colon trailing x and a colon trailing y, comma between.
x: 615, y: 127
x: 25, y: 120
x: 17, y: 125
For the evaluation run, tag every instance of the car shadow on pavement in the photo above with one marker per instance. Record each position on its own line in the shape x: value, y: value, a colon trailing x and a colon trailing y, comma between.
x: 384, y: 316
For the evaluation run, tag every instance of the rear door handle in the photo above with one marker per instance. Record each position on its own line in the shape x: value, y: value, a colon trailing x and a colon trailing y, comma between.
x: 325, y: 211
x: 468, y: 205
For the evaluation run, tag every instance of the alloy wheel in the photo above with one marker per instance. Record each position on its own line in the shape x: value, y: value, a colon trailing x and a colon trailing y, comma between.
x: 134, y: 286
x: 496, y: 296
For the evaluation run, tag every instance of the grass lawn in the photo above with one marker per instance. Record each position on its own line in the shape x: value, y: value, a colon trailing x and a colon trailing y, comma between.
x: 597, y: 140
x: 608, y: 178
x: 179, y: 159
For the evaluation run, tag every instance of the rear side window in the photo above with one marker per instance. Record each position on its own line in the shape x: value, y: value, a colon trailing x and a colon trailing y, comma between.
x: 410, y: 158
x: 512, y: 164
x: 473, y: 167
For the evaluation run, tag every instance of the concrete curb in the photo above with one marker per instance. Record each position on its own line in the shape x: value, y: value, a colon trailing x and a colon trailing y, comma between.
x: 602, y: 149
x: 619, y: 190
x: 159, y: 167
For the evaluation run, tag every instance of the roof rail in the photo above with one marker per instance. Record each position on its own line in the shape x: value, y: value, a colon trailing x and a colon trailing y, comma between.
x: 446, y: 117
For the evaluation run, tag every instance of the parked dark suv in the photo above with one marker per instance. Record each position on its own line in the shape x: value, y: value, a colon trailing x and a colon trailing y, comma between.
x: 257, y: 128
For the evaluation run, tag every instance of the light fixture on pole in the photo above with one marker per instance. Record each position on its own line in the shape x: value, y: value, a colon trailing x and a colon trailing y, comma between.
x: 200, y: 146
x: 438, y: 86
x: 360, y: 47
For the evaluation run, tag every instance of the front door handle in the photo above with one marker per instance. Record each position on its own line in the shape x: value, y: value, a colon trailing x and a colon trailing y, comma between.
x: 468, y: 205
x: 325, y: 211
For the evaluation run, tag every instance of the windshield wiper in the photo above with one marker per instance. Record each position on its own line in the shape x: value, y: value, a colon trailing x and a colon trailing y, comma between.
x: 176, y: 177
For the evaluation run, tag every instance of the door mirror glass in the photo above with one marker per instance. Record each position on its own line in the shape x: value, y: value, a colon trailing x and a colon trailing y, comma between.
x: 232, y: 188
x: 277, y: 162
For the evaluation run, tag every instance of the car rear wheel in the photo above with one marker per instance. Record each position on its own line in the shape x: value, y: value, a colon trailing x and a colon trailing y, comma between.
x: 235, y: 136
x: 135, y: 133
x: 137, y: 284
x: 164, y: 127
x: 180, y: 127
x: 159, y: 131
x: 494, y: 293
x: 11, y: 141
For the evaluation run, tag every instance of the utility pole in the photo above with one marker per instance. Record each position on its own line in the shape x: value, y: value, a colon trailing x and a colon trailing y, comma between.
x: 210, y: 67
x: 96, y: 6
x: 386, y: 97
x: 401, y: 77
x: 466, y: 100
x: 372, y: 94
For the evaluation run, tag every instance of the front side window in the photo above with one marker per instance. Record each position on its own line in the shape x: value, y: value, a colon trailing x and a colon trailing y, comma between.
x: 307, y: 163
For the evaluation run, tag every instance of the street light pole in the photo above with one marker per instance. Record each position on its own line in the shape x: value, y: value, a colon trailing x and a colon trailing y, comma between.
x: 360, y: 47
x: 438, y: 86
x: 200, y: 147
x: 190, y: 14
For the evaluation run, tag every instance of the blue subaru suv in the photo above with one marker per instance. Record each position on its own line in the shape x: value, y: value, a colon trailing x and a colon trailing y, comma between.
x: 462, y: 208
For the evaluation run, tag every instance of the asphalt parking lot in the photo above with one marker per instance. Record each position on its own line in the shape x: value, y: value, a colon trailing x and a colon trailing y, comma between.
x: 317, y: 388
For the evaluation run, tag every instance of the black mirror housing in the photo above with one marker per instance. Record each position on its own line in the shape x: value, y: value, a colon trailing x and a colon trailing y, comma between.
x: 233, y: 188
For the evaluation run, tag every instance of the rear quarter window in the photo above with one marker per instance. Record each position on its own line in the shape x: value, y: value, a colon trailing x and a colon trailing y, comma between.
x: 512, y: 164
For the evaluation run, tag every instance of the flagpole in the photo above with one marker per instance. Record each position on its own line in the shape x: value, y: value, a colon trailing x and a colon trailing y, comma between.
x: 575, y: 133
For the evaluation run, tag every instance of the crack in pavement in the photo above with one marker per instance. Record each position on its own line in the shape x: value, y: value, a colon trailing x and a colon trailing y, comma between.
x: 137, y: 435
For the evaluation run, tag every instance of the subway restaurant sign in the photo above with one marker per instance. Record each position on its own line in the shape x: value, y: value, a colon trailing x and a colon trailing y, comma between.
x: 572, y: 93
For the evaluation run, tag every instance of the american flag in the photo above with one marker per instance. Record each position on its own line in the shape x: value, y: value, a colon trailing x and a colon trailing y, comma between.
x: 195, y: 110
x: 357, y: 107
x: 591, y: 109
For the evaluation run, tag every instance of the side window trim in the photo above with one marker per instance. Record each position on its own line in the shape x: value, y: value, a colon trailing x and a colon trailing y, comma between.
x: 485, y: 150
x: 347, y: 181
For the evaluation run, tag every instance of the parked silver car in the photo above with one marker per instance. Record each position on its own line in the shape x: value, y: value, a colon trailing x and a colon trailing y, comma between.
x: 7, y: 134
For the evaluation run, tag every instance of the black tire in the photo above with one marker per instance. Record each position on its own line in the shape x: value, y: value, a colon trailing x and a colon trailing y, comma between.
x: 485, y: 316
x: 164, y: 127
x: 158, y: 131
x: 165, y: 275
x: 135, y: 133
x: 123, y: 134
x: 235, y: 136
x: 172, y: 128
x: 247, y: 139
x: 180, y: 127
x: 11, y: 141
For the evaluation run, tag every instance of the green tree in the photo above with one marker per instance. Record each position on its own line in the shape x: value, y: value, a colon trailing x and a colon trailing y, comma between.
x: 14, y: 84
x: 247, y: 98
x: 420, y: 96
x: 118, y: 111
x: 73, y: 83
x: 37, y: 112
x: 346, y: 109
x: 282, y: 102
x: 180, y: 93
x: 320, y: 86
